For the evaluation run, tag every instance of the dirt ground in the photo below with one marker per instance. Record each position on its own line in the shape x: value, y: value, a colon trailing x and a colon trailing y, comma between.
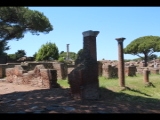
x: 28, y: 99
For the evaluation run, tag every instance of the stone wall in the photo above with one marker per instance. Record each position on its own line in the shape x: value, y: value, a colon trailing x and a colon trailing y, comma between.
x: 61, y: 70
x: 106, y: 67
x: 4, y: 66
x: 109, y: 71
x: 27, y: 66
x: 39, y: 76
x: 31, y: 65
x: 131, y: 68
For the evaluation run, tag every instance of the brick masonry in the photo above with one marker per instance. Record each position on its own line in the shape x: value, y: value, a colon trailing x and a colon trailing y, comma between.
x: 39, y: 77
x: 131, y: 68
x: 83, y: 79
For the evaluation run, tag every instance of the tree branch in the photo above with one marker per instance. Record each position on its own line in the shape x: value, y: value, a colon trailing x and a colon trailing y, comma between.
x: 151, y: 53
x: 140, y: 56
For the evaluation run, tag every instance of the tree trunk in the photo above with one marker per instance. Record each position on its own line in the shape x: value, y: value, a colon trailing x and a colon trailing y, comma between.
x: 145, y: 60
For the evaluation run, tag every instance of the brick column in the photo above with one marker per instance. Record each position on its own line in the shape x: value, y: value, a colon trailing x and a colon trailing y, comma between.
x: 121, y: 62
x: 90, y: 75
x: 83, y: 79
x: 89, y: 43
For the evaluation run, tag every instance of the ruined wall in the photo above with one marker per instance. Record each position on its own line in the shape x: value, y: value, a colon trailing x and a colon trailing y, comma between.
x: 4, y: 66
x: 60, y: 67
x: 153, y: 70
x: 130, y: 70
x: 61, y: 70
x: 39, y: 76
x: 31, y: 65
x: 109, y: 71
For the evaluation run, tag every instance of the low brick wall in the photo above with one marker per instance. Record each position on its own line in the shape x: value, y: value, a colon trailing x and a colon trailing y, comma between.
x: 151, y: 69
x: 4, y: 66
x: 130, y: 70
x: 39, y: 77
x: 62, y: 69
x: 109, y: 71
x: 154, y: 71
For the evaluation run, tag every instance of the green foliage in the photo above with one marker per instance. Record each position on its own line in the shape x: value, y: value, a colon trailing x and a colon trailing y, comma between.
x: 34, y: 55
x: 79, y: 57
x: 127, y: 60
x: 12, y: 56
x: 20, y: 53
x: 61, y: 52
x: 141, y: 45
x: 79, y: 53
x: 153, y: 56
x: 17, y: 55
x: 68, y: 62
x: 61, y: 59
x: 3, y: 47
x: 47, y: 51
x: 72, y: 55
x: 15, y: 21
x: 145, y: 45
x: 137, y: 59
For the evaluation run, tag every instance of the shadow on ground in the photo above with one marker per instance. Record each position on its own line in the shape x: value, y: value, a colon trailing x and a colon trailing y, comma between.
x: 58, y: 100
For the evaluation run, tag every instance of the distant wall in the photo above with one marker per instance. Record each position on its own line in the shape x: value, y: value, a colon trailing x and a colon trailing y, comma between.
x: 131, y: 68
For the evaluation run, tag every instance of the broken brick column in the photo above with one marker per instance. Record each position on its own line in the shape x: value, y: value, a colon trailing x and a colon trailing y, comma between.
x: 121, y: 74
x: 146, y: 75
x: 83, y: 79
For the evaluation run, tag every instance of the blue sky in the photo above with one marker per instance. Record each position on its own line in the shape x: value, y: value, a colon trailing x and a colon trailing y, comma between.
x: 111, y: 22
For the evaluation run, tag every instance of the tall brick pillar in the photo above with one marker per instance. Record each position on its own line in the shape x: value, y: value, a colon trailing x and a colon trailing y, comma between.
x: 121, y: 74
x: 83, y: 79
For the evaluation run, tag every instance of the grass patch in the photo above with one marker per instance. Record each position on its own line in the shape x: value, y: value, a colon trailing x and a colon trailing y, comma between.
x: 135, y: 87
x: 63, y: 83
